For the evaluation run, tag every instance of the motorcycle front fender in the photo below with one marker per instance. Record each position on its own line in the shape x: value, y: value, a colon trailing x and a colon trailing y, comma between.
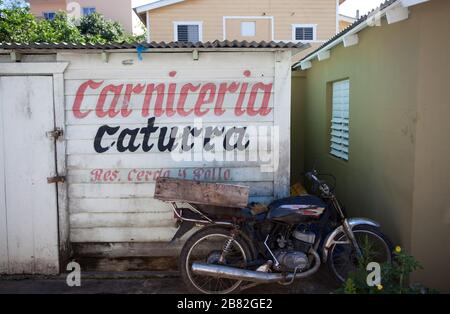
x: 353, y: 222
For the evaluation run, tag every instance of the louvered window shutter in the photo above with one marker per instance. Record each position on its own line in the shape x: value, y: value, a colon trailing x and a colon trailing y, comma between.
x: 340, y: 119
x: 304, y: 33
x: 188, y: 33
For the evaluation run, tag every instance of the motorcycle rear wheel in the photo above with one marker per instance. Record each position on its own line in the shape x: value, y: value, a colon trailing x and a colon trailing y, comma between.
x: 342, y: 258
x: 206, y: 246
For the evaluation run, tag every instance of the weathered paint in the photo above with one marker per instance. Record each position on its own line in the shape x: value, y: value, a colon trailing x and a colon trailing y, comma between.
x: 28, y: 205
x: 111, y: 179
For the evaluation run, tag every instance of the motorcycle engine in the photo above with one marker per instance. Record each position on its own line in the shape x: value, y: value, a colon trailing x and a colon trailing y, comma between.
x: 290, y: 260
x: 292, y: 252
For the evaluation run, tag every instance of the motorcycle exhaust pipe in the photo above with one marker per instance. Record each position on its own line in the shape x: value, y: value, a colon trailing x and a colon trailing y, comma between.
x: 220, y: 271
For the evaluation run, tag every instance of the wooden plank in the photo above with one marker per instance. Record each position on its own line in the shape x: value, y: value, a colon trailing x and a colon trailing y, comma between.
x: 130, y: 234
x: 133, y: 205
x: 118, y: 205
x: 136, y: 118
x: 88, y: 131
x: 157, y: 63
x: 20, y: 222
x: 282, y: 120
x: 61, y: 148
x: 101, y: 161
x: 160, y: 64
x: 147, y: 189
x: 72, y: 85
x: 111, y: 190
x: 86, y: 147
x: 36, y: 68
x: 168, y: 189
x: 141, y: 175
x: 108, y: 74
x: 3, y: 212
x: 125, y: 249
x: 138, y: 220
x: 136, y: 102
x: 123, y: 265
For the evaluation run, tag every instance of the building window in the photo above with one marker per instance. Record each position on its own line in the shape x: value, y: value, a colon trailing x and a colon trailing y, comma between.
x: 340, y: 119
x: 49, y: 15
x: 88, y: 11
x: 304, y: 32
x: 188, y: 31
x: 248, y: 29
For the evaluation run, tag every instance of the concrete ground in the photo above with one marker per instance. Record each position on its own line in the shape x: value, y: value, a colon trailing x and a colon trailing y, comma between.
x: 144, y: 283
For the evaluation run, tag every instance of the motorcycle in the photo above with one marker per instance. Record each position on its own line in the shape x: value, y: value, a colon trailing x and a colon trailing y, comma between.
x: 287, y: 240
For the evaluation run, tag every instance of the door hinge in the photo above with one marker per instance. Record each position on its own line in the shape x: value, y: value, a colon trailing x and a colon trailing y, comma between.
x: 56, y: 179
x: 56, y: 133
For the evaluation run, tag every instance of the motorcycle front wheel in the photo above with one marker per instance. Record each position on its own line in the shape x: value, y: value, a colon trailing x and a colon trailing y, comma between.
x: 343, y: 258
x: 206, y: 246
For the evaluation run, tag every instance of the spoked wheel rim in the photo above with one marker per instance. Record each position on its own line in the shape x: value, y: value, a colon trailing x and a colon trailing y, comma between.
x: 235, y: 258
x: 344, y: 256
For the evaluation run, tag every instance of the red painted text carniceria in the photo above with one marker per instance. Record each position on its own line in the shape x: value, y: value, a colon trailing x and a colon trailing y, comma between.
x: 169, y: 99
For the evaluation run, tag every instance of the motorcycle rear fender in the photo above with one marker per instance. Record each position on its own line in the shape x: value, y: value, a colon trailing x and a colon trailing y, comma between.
x: 353, y: 222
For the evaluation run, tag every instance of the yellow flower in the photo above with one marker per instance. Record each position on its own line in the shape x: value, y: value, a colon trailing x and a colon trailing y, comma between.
x: 398, y: 249
x: 380, y: 287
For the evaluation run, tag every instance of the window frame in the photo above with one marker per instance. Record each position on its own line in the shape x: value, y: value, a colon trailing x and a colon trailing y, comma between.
x: 254, y: 28
x: 178, y: 23
x: 49, y: 12
x: 90, y: 8
x: 248, y: 17
x: 313, y: 26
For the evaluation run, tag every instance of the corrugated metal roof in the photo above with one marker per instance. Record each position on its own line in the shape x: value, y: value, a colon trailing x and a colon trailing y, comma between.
x: 161, y: 45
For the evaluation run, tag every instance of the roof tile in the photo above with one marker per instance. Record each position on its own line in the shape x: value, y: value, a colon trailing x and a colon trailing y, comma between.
x: 155, y: 45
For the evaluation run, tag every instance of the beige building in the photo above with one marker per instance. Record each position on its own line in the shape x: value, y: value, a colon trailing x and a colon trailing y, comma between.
x: 345, y: 21
x: 117, y: 10
x: 372, y: 107
x: 309, y: 21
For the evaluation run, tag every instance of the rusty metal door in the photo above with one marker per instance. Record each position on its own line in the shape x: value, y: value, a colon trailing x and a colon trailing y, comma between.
x: 28, y: 203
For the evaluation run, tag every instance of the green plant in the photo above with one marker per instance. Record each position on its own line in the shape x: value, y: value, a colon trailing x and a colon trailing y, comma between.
x: 96, y: 28
x: 394, y: 276
x: 17, y: 24
x: 65, y: 30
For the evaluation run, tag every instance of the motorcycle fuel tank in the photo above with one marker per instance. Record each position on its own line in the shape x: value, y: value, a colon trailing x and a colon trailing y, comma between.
x: 296, y: 209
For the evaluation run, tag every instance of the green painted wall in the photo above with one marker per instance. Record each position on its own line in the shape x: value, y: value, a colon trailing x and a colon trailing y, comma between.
x: 298, y: 93
x: 377, y: 180
x: 431, y: 198
x: 399, y: 109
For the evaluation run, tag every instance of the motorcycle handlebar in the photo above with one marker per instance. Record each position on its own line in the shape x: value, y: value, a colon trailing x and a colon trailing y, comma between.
x: 312, y: 176
x: 321, y: 185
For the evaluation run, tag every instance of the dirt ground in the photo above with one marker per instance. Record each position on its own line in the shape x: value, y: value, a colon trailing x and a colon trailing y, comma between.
x: 145, y: 283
